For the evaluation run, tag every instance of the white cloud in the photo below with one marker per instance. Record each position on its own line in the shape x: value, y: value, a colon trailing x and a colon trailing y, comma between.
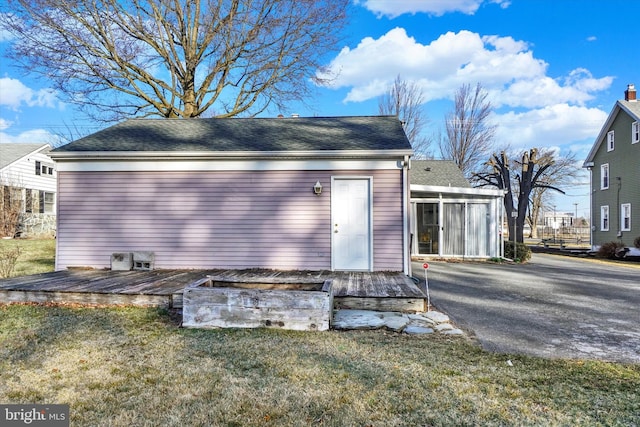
x: 4, y: 124
x: 31, y: 136
x: 394, y: 8
x: 13, y: 94
x: 555, y: 125
x: 5, y: 35
x: 506, y: 68
x: 13, y: 19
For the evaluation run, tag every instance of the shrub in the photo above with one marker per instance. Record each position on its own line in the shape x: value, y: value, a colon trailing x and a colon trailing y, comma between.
x: 636, y: 242
x: 10, y: 209
x: 610, y: 249
x: 523, y: 252
x: 8, y: 259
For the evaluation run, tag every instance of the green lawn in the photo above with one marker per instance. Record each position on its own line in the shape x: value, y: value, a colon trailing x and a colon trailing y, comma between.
x: 36, y: 256
x: 124, y: 366
x: 134, y: 366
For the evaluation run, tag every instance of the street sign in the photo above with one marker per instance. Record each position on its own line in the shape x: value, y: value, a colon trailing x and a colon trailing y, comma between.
x: 426, y: 285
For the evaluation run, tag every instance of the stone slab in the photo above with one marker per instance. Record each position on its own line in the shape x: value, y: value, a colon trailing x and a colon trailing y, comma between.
x: 357, y: 319
x: 436, y: 316
x: 417, y: 330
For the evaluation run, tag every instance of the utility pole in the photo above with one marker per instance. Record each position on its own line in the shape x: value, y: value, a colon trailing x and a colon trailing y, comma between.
x: 575, y: 223
x: 554, y: 224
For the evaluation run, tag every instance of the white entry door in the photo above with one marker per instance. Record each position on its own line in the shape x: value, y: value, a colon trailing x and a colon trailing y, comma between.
x: 351, y: 222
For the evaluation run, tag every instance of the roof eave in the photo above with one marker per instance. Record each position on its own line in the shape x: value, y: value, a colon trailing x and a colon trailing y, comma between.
x: 588, y: 165
x: 223, y: 155
x: 603, y: 131
x: 37, y: 150
x: 457, y: 190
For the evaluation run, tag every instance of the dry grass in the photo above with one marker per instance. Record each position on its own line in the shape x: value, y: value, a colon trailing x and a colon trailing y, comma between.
x: 133, y: 366
x: 36, y: 255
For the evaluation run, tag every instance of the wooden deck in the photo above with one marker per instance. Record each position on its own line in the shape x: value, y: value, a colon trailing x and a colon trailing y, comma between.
x: 382, y: 291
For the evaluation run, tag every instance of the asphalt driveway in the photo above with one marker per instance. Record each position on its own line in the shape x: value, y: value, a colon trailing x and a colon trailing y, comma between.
x: 553, y: 307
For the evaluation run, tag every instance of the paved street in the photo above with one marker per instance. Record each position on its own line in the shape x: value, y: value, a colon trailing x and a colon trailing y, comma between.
x: 554, y: 306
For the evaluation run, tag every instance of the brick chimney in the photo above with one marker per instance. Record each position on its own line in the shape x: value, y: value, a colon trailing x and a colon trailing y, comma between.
x: 630, y: 93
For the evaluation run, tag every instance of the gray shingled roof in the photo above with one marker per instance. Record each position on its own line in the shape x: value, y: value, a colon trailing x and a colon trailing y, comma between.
x: 246, y: 135
x: 632, y: 107
x: 442, y: 173
x: 10, y: 152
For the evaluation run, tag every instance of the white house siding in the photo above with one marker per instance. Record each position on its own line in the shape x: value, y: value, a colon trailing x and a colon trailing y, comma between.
x: 22, y: 174
x: 37, y: 218
x: 216, y: 219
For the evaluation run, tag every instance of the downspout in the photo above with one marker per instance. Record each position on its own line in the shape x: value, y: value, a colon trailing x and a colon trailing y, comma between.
x: 618, y: 208
x: 465, y: 228
x: 406, y: 165
x: 55, y: 266
x: 592, y: 229
x: 501, y: 225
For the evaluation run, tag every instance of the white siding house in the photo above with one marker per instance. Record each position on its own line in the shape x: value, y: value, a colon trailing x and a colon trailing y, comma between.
x: 28, y: 183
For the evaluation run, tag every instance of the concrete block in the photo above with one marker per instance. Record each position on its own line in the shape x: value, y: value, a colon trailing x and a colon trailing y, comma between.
x: 143, y: 260
x: 121, y: 261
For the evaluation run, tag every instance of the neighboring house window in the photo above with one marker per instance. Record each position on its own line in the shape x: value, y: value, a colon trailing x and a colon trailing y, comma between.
x: 28, y: 201
x: 635, y: 132
x: 610, y: 140
x: 47, y: 200
x: 604, y: 176
x: 604, y: 218
x: 625, y: 212
x: 44, y: 169
x: 12, y: 200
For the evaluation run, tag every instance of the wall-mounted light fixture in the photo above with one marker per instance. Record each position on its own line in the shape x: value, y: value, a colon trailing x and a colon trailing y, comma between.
x: 317, y: 188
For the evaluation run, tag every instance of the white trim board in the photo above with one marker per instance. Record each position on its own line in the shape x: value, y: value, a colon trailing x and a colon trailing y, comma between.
x: 225, y: 165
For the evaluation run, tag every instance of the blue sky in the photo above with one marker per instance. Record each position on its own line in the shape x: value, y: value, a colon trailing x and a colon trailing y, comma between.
x: 553, y: 70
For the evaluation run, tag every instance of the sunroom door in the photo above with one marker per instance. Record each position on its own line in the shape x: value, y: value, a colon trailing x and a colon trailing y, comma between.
x: 428, y: 228
x: 453, y: 233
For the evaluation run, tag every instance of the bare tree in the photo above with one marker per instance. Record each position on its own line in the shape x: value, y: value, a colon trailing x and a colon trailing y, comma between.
x: 404, y: 100
x: 533, y: 174
x: 469, y: 135
x: 562, y: 171
x: 11, y: 206
x: 175, y: 58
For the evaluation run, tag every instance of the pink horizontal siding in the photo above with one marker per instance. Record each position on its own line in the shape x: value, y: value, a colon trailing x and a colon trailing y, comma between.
x: 387, y: 221
x: 267, y: 219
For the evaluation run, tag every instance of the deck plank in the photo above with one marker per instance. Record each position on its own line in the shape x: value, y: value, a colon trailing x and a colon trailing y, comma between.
x: 365, y: 290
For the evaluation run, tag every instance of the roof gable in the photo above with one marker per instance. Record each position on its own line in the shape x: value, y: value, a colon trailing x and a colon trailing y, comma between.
x: 444, y: 173
x: 630, y: 108
x: 12, y: 152
x: 251, y: 135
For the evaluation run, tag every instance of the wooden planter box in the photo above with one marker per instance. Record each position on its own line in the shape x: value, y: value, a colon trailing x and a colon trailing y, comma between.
x: 215, y: 302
